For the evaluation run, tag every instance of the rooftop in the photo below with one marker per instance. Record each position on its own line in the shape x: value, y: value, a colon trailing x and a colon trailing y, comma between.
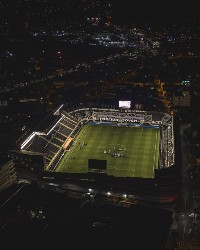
x: 3, y: 160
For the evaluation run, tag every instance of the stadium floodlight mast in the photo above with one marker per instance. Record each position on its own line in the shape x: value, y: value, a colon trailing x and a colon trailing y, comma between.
x: 56, y: 112
x: 27, y: 140
x: 54, y: 125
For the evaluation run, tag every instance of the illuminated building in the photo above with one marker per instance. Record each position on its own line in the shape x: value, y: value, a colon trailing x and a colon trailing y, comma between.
x: 7, y: 173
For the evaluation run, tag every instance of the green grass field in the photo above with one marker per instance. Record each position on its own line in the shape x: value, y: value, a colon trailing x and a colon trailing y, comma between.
x: 138, y: 146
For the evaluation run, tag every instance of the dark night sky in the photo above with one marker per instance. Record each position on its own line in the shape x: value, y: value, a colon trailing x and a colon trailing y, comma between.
x: 163, y: 11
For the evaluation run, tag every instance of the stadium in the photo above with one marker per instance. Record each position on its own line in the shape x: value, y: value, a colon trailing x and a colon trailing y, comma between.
x: 120, y: 149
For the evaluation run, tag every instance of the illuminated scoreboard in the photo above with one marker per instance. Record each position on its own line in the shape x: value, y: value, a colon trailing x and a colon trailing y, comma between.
x: 125, y: 104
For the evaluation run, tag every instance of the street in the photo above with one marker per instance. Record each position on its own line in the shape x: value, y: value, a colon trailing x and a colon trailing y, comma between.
x: 184, y: 231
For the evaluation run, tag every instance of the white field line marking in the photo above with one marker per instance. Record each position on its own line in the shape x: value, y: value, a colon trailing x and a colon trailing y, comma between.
x: 155, y: 150
x: 72, y: 150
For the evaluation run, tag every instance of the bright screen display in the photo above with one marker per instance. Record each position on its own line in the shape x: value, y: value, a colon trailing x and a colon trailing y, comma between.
x: 125, y: 104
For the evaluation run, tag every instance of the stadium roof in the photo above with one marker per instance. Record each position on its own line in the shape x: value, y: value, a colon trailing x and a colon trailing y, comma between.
x: 26, y: 152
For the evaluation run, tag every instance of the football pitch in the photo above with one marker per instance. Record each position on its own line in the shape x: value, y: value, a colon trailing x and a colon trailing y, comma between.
x: 129, y: 151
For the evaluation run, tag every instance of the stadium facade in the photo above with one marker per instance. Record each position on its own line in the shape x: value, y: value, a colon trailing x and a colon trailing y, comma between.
x: 43, y: 150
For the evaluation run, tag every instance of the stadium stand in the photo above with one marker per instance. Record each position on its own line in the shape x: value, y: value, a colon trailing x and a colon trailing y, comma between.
x: 50, y: 139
